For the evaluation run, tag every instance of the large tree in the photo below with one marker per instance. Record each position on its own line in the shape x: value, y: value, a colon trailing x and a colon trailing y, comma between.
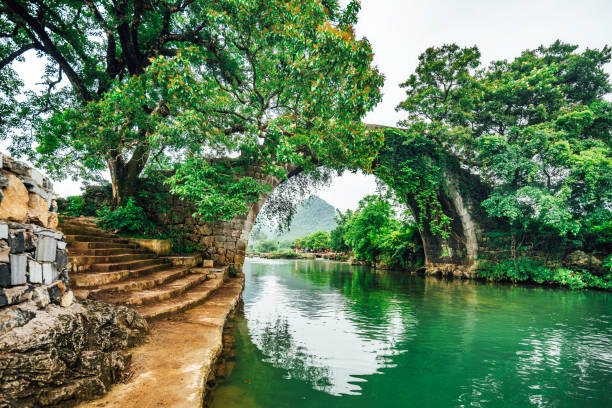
x: 536, y: 131
x: 212, y: 87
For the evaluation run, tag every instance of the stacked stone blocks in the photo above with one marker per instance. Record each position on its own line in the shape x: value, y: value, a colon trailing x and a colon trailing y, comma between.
x: 33, y: 258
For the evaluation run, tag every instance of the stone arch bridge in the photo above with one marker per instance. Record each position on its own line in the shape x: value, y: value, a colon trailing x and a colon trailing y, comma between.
x: 225, y: 242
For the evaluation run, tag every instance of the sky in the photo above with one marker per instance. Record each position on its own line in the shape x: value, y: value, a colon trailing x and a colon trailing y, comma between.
x: 400, y: 30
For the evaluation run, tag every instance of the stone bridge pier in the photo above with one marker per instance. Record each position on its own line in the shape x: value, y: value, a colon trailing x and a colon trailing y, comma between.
x: 460, y: 197
x: 224, y: 242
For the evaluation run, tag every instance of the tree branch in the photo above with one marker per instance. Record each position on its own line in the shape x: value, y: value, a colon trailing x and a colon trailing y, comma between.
x: 50, y: 48
x: 9, y: 58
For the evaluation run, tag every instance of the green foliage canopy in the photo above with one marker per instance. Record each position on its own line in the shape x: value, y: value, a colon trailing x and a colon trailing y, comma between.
x: 316, y: 241
x: 537, y: 130
x: 375, y: 234
x: 129, y: 218
x: 208, y: 89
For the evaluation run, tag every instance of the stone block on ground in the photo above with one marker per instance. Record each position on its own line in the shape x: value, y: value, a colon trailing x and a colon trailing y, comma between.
x: 61, y: 260
x: 14, y: 205
x: 4, y: 231
x: 49, y: 273
x: 4, y: 254
x: 46, y: 232
x: 20, y: 241
x: 35, y: 271
x: 15, y: 166
x: 17, y: 294
x: 36, y: 176
x: 40, y: 296
x: 38, y: 210
x: 56, y: 292
x: 67, y: 299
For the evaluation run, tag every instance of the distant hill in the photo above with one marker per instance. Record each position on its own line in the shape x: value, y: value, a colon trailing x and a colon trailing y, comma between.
x: 313, y: 214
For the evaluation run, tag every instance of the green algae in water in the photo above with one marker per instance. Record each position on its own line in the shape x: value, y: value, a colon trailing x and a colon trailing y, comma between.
x: 323, y: 334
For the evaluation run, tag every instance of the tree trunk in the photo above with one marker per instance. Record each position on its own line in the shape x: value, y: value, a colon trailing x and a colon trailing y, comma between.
x: 124, y: 176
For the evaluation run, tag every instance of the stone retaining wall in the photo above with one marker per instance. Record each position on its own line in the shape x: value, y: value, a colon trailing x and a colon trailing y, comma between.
x: 223, y: 242
x: 33, y: 258
x: 55, y: 350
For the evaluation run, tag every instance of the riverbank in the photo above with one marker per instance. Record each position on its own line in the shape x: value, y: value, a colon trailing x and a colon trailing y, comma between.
x: 298, y: 255
x: 176, y: 365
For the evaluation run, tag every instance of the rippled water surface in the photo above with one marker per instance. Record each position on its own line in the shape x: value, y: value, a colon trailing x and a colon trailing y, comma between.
x: 323, y: 334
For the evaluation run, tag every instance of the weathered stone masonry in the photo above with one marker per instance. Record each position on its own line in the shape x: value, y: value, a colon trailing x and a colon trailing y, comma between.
x: 33, y: 258
x: 55, y: 350
x: 224, y: 242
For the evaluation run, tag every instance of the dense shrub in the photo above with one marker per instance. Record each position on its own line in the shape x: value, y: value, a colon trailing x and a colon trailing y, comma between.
x: 526, y: 269
x: 127, y: 218
x: 266, y: 245
x: 402, y: 247
x: 72, y: 206
x: 375, y: 234
x: 283, y: 254
x: 317, y: 241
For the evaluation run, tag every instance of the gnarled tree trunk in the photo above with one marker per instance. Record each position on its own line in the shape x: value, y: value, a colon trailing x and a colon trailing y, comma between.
x: 124, y: 175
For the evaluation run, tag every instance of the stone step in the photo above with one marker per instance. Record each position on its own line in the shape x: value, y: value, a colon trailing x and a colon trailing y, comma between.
x: 91, y: 280
x: 212, y: 273
x: 122, y: 257
x: 80, y: 230
x: 81, y: 246
x: 146, y: 281
x: 77, y: 223
x: 109, y: 251
x: 79, y: 227
x: 117, y: 266
x: 196, y: 296
x: 186, y: 260
x: 170, y: 290
x: 88, y: 238
x: 194, y: 342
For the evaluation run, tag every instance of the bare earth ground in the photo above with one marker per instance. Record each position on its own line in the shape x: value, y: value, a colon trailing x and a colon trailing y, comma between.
x: 172, y: 369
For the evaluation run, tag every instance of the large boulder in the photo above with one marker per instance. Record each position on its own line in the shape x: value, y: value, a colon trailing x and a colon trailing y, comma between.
x: 26, y: 196
x: 62, y: 355
x: 14, y: 204
x: 582, y: 260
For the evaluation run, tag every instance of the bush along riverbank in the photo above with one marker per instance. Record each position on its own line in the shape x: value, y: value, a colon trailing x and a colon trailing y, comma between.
x: 575, y: 270
x: 377, y: 235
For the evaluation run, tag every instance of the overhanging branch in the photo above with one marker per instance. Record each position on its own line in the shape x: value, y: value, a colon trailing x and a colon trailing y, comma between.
x: 12, y: 56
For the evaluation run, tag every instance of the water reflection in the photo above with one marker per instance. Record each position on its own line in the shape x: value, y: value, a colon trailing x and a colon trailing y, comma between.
x: 319, y: 336
x: 322, y: 334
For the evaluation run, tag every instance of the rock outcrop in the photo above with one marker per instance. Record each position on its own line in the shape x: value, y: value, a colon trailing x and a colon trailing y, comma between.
x: 59, y: 356
x: 54, y: 351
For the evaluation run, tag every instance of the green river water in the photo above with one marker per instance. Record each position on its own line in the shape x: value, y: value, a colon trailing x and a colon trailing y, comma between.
x: 325, y: 334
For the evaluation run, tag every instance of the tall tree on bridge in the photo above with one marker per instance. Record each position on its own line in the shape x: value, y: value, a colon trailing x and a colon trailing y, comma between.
x: 529, y: 141
x: 279, y: 84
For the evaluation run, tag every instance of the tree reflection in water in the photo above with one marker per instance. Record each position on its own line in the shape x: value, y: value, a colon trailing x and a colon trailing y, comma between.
x: 320, y: 335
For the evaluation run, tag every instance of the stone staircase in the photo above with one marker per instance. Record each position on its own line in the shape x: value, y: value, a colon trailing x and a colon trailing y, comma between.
x: 115, y: 270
